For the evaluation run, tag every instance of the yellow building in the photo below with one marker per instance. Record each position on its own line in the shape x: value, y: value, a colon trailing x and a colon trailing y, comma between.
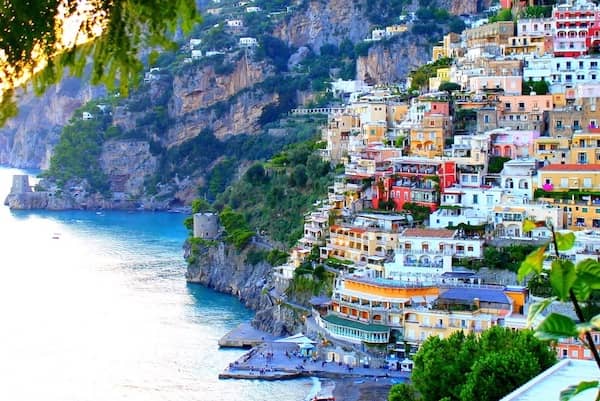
x: 374, y: 131
x: 442, y: 75
x: 428, y: 139
x: 358, y: 244
x: 395, y: 29
x: 585, y: 148
x: 564, y: 177
x: 551, y: 149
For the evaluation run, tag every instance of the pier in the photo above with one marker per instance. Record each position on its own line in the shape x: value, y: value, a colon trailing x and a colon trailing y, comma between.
x: 244, y: 336
x: 280, y: 361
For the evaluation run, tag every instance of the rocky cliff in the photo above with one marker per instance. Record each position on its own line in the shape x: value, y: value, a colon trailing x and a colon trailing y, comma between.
x: 389, y: 63
x: 325, y: 22
x: 26, y: 141
x: 225, y: 269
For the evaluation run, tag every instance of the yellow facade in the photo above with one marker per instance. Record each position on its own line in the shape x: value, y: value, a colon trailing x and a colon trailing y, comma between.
x: 420, y: 324
x: 585, y: 148
x: 374, y: 132
x: 398, y: 112
x: 552, y: 149
x: 368, y: 288
x: 438, y: 53
x: 427, y: 142
x: 358, y: 244
x: 559, y: 100
x: 580, y: 177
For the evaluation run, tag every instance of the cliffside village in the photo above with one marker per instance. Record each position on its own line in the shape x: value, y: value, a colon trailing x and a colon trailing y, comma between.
x: 396, y: 283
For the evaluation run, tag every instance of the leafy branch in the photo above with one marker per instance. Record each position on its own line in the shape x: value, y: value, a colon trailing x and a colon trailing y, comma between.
x: 570, y: 283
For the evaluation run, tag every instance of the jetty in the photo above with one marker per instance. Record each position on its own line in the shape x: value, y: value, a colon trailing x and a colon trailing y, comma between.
x: 244, y: 336
x: 276, y: 360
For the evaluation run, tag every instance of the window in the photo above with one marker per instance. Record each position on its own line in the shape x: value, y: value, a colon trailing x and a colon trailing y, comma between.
x: 594, y: 64
x: 587, y: 183
x: 507, y: 105
x: 558, y: 123
x: 475, y: 199
x: 564, y: 182
x: 521, y: 105
x: 486, y: 119
x: 584, y: 209
x: 542, y: 146
x: 470, y: 248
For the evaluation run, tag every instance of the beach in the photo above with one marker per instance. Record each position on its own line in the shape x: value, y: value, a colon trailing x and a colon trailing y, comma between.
x: 364, y: 389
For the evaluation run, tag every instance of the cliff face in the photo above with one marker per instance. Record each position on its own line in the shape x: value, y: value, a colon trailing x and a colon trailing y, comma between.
x: 458, y: 7
x: 325, y: 22
x: 224, y: 269
x: 27, y: 140
x: 391, y: 63
x: 238, y: 116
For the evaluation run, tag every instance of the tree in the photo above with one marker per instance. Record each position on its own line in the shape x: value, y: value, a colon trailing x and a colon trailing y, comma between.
x: 465, y: 367
x: 41, y: 38
x: 503, y: 15
x: 449, y: 87
x: 577, y: 284
x: 402, y: 392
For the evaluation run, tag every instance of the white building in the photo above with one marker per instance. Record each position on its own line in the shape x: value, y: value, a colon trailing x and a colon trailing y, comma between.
x: 86, y: 115
x: 535, y: 27
x: 195, y: 42
x: 562, y: 72
x: 426, y: 251
x: 377, y: 34
x: 235, y: 23
x: 197, y: 54
x: 248, y: 42
x: 253, y: 9
x: 517, y: 178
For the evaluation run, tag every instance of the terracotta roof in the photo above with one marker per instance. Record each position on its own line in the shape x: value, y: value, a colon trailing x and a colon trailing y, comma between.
x: 428, y: 233
x: 571, y: 167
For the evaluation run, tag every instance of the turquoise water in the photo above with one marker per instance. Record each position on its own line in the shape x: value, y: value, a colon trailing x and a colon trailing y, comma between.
x: 104, y: 314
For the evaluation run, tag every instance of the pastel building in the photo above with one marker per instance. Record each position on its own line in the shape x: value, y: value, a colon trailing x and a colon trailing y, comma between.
x: 425, y: 252
x: 535, y: 27
x: 466, y: 205
x: 574, y: 23
x: 414, y: 180
x: 512, y: 143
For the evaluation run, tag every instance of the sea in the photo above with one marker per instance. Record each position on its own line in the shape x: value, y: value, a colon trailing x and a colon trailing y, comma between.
x: 94, y: 306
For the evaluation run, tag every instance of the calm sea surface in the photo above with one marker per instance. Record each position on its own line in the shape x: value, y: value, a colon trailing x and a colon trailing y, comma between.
x: 104, y: 313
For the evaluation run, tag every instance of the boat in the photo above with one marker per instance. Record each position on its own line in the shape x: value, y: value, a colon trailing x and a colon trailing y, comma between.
x: 323, y: 398
x: 56, y: 236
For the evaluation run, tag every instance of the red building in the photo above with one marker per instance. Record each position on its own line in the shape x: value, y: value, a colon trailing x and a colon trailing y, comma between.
x: 576, y: 28
x: 414, y: 180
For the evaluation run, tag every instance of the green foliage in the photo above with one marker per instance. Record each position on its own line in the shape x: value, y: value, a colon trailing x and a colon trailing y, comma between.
x: 578, y: 284
x: 537, y: 12
x: 498, y: 373
x: 402, y: 392
x: 496, y: 164
x: 465, y: 367
x: 296, y: 179
x: 539, y: 87
x: 236, y: 227
x: 508, y: 258
x: 503, y: 15
x: 255, y: 174
x: 420, y: 76
x: 385, y: 12
x: 276, y: 257
x: 200, y: 205
x: 76, y: 156
x: 33, y: 31
x: 419, y: 213
x: 449, y: 87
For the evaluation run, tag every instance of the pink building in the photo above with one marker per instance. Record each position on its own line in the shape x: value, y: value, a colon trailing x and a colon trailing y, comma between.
x: 576, y: 25
x: 511, y: 85
x: 511, y: 143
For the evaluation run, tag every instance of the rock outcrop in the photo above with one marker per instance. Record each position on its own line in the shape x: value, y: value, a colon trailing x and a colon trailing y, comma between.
x: 27, y: 140
x: 388, y: 63
x: 223, y: 268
